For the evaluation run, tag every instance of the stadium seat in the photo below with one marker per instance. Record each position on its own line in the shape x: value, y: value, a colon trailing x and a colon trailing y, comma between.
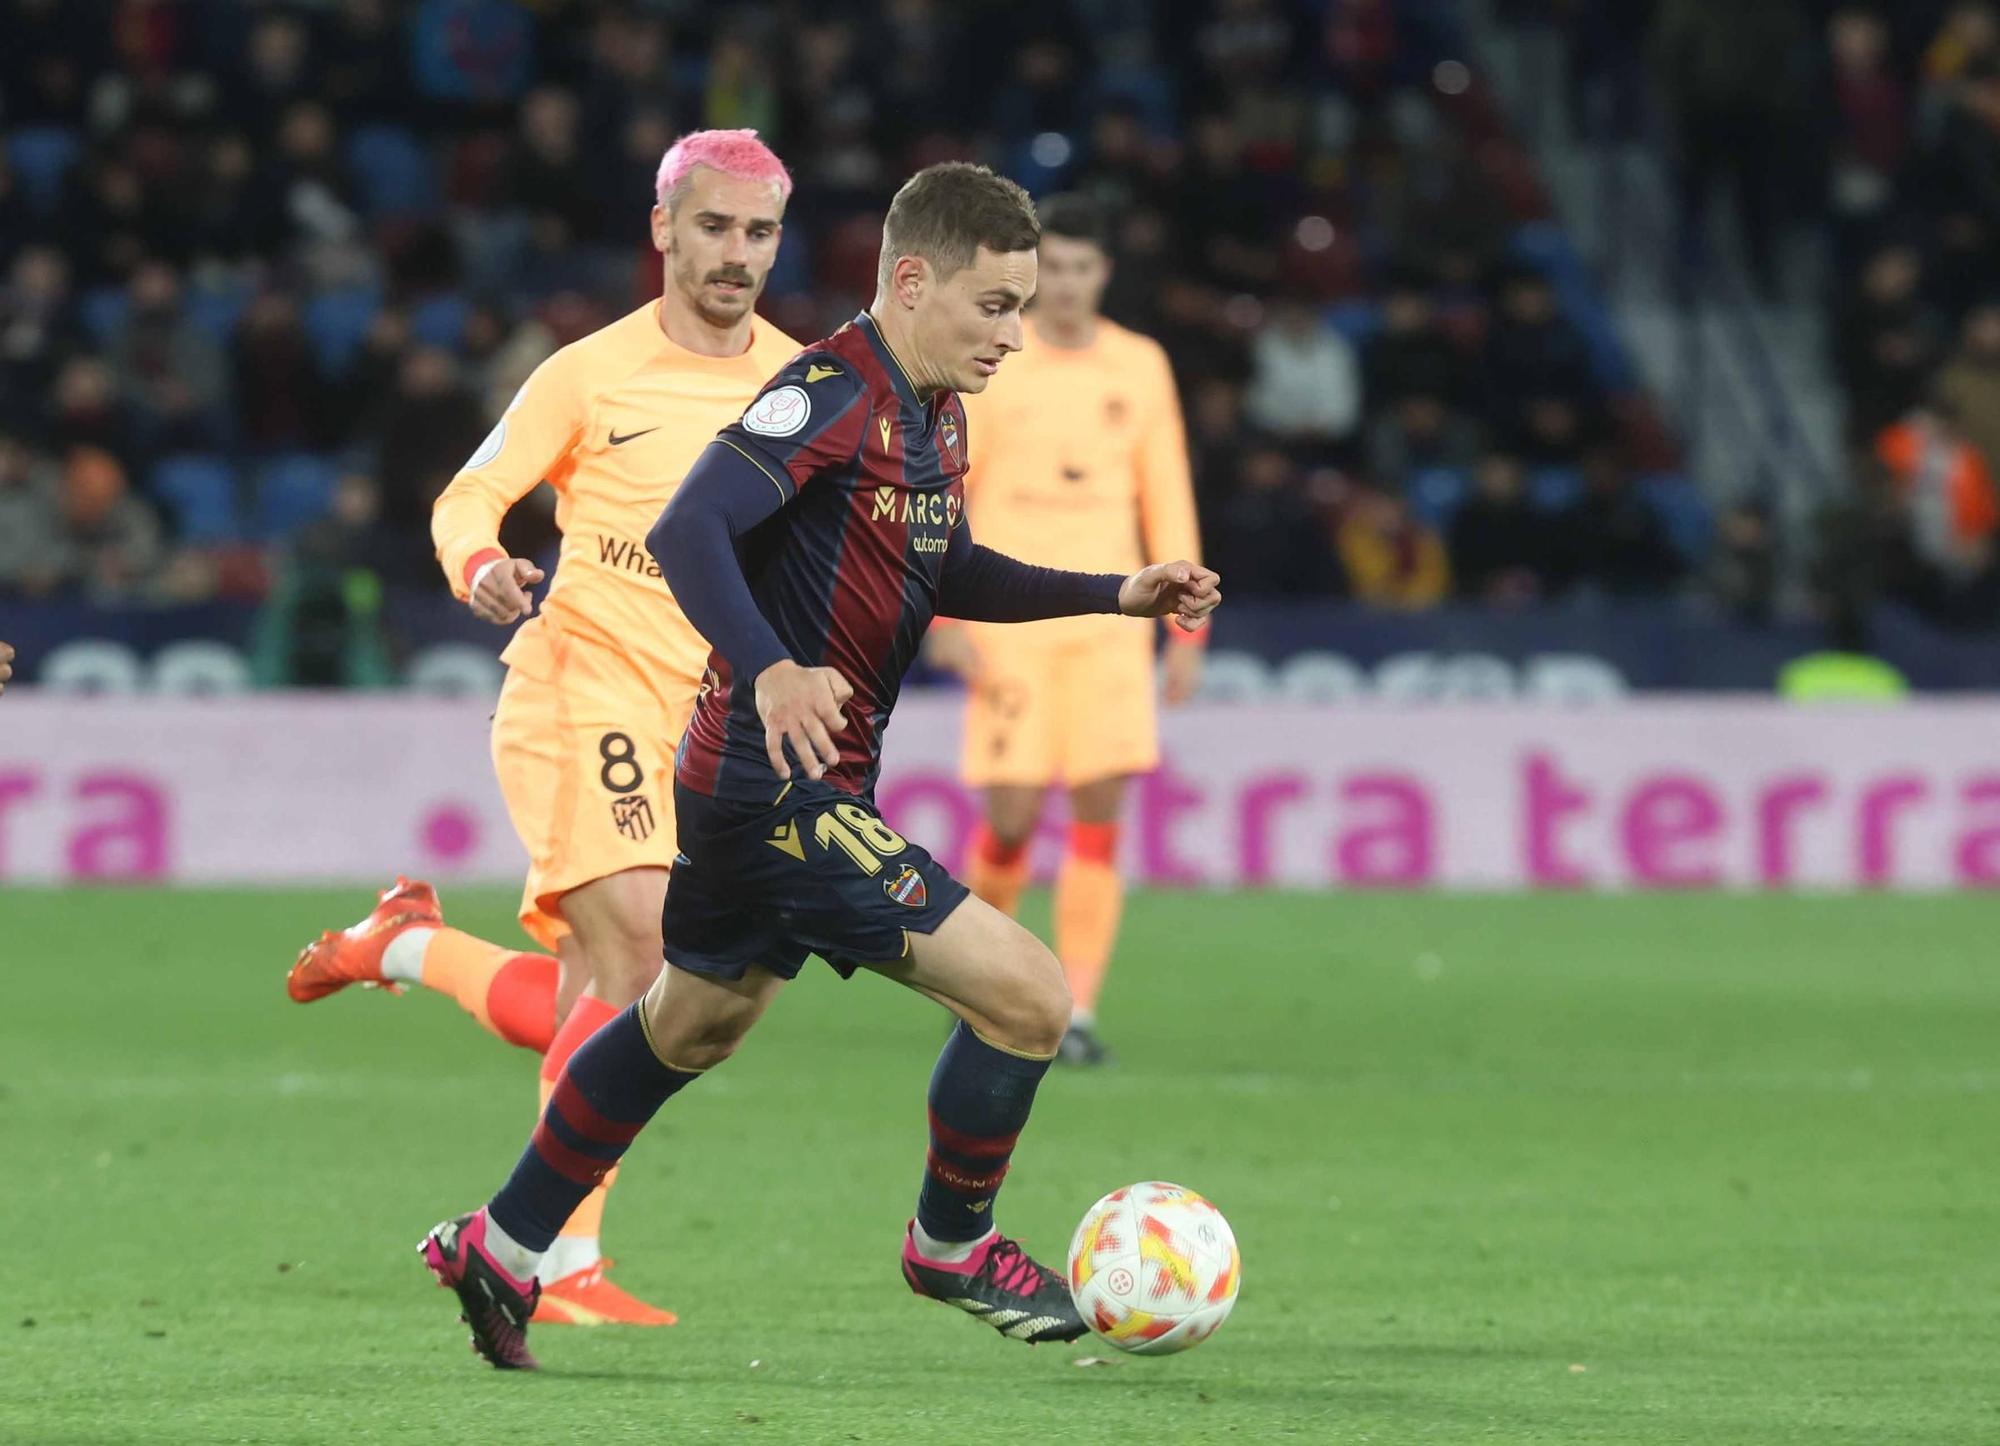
x: 42, y: 157
x: 217, y: 309
x: 1684, y: 512
x: 293, y: 490
x: 337, y: 322
x: 439, y: 320
x: 392, y: 170
x: 1550, y: 489
x: 1357, y: 320
x: 1436, y: 493
x: 200, y: 492
x: 104, y: 309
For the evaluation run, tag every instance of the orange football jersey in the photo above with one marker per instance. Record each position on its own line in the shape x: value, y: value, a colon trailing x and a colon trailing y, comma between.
x: 1079, y: 460
x: 612, y: 422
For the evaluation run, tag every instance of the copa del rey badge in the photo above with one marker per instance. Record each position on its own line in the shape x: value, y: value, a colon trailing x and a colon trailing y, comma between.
x: 907, y: 888
x: 779, y: 412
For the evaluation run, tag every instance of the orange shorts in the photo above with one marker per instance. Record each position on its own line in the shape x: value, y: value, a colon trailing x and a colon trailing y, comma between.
x: 585, y: 758
x: 1060, y: 711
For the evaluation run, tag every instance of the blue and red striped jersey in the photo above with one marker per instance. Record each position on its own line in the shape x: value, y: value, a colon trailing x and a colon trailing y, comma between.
x: 848, y: 572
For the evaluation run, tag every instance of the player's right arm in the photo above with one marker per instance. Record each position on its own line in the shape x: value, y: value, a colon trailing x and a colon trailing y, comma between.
x: 540, y: 425
x: 809, y: 417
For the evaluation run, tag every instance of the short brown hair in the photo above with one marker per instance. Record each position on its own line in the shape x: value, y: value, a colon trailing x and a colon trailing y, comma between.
x: 946, y: 212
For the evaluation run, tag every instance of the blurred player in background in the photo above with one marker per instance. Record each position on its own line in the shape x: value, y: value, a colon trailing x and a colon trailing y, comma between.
x: 813, y: 542
x: 1080, y: 461
x: 601, y: 682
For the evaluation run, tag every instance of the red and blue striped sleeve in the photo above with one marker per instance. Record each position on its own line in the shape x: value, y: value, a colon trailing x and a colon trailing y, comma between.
x: 809, y: 418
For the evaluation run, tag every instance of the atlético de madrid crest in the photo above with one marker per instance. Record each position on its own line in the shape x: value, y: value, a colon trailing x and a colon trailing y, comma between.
x: 907, y: 888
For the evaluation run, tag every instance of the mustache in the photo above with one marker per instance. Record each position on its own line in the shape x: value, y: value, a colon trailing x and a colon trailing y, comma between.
x: 735, y: 274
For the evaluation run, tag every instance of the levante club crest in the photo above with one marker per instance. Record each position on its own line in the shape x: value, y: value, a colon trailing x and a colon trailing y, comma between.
x: 907, y: 888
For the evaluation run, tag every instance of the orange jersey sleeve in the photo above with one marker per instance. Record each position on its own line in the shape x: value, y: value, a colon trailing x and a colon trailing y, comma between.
x: 529, y: 443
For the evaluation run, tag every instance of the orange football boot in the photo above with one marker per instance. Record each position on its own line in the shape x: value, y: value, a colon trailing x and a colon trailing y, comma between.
x: 585, y: 1298
x: 342, y: 957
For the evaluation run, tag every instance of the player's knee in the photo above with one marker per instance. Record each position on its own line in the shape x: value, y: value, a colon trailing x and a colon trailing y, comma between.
x: 625, y: 975
x: 623, y: 959
x: 1038, y: 1006
x: 693, y: 1040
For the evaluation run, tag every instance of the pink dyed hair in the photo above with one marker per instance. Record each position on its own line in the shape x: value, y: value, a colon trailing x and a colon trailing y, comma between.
x: 734, y: 153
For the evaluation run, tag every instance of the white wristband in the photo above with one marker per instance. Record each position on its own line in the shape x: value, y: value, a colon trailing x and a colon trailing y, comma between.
x: 480, y: 576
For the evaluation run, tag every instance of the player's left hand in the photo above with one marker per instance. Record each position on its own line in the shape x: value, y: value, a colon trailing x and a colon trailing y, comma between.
x: 1186, y: 591
x: 6, y: 664
x: 1182, y: 665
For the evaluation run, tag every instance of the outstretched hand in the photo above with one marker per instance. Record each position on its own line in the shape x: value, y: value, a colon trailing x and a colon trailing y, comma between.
x: 1184, y: 591
x: 802, y: 706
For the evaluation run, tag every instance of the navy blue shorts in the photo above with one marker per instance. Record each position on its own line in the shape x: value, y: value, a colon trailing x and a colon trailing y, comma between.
x: 816, y: 872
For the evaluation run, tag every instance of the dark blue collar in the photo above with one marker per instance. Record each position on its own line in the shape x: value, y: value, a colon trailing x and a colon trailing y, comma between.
x: 898, y: 377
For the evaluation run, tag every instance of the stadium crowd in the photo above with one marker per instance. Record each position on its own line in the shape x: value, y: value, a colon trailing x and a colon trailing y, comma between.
x: 1875, y: 127
x: 267, y: 271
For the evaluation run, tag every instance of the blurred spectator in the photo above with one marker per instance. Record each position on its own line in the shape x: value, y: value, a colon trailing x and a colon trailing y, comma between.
x: 1729, y: 70
x: 365, y: 73
x: 1499, y: 545
x: 323, y: 625
x: 1968, y: 171
x: 31, y: 527
x: 426, y: 429
x: 54, y: 50
x: 1392, y: 559
x: 1868, y: 114
x: 1541, y: 397
x: 1418, y: 433
x: 1264, y: 530
x: 1944, y: 495
x: 1612, y: 540
x: 546, y: 173
x: 1885, y: 339
x: 1304, y: 383
x: 170, y: 373
x: 111, y: 542
x: 38, y: 328
x: 226, y: 220
x: 1968, y: 388
x: 307, y: 196
x: 1743, y: 571
x: 1410, y: 354
x: 107, y: 222
x: 279, y: 388
x: 87, y: 412
x: 742, y: 92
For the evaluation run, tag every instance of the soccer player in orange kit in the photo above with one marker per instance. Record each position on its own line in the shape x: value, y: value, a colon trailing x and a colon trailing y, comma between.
x: 1079, y: 460
x: 600, y: 682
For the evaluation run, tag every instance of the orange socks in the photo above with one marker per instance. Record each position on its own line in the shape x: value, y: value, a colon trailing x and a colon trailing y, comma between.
x: 998, y: 870
x: 586, y: 1017
x: 512, y: 995
x: 1089, y: 898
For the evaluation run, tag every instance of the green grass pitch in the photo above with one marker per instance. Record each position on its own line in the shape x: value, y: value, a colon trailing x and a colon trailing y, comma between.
x: 1553, y: 1169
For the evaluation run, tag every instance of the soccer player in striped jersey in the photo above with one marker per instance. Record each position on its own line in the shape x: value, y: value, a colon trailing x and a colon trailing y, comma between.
x: 812, y: 545
x: 601, y: 681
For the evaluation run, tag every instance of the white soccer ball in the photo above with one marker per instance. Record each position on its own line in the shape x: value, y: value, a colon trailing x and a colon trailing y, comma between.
x: 1154, y: 1268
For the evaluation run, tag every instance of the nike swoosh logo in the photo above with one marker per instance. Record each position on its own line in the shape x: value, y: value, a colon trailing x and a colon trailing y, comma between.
x: 818, y: 373
x: 618, y: 441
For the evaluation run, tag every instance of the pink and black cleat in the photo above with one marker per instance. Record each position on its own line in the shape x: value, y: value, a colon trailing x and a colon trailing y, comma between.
x: 495, y: 1304
x: 1000, y: 1285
